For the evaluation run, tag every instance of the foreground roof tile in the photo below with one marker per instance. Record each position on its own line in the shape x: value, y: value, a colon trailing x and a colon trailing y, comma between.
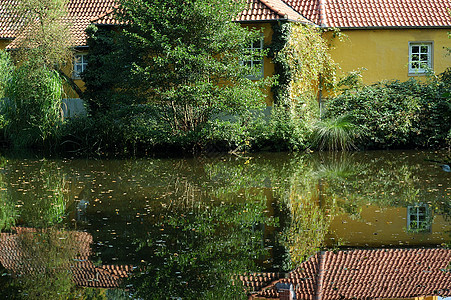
x: 369, y: 274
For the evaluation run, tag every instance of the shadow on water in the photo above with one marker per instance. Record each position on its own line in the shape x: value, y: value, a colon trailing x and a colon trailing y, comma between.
x: 209, y: 228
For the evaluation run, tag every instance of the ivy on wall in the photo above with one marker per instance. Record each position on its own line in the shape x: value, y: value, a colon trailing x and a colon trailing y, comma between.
x: 303, y: 65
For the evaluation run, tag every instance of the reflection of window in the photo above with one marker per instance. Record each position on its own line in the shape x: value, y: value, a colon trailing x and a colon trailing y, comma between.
x: 418, y: 218
x: 80, y: 64
x: 253, y: 59
x: 420, y: 57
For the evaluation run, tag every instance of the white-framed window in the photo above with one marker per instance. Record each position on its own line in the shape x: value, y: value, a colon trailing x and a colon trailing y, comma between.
x: 420, y: 57
x: 253, y: 58
x: 418, y: 218
x: 80, y: 63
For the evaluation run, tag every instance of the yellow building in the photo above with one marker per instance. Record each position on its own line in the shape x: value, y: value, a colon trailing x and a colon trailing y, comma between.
x: 396, y: 39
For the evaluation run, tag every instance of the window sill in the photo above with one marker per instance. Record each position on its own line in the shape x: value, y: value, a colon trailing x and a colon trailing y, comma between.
x: 417, y: 74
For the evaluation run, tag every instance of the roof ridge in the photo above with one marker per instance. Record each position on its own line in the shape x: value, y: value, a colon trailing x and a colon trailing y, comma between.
x: 285, y: 10
x: 322, y: 13
x: 319, y: 275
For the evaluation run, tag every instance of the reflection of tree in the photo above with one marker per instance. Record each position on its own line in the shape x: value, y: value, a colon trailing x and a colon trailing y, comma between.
x: 197, y: 249
x: 36, y: 194
x: 310, y: 216
x: 8, y: 209
x: 52, y: 264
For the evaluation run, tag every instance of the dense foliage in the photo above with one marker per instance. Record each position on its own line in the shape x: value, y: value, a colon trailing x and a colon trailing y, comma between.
x: 32, y: 91
x: 182, y: 56
x: 31, y: 104
x: 399, y: 114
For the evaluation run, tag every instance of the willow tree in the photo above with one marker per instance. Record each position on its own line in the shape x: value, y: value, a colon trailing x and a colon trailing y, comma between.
x: 33, y: 96
x: 184, y: 56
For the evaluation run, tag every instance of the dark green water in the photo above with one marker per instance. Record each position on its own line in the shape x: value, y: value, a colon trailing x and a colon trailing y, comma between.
x: 187, y: 227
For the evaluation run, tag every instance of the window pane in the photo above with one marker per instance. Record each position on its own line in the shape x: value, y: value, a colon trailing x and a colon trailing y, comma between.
x: 424, y: 57
x: 415, y: 49
x: 424, y: 49
x: 415, y: 57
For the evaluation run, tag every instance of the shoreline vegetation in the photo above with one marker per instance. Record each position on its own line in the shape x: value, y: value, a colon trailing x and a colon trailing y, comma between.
x: 387, y: 115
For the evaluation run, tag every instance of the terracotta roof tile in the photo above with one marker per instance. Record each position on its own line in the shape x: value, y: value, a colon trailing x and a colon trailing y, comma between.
x: 84, y: 273
x: 80, y: 13
x: 307, y: 8
x: 369, y: 274
x: 268, y: 10
x: 375, y: 13
x: 328, y: 13
x: 8, y: 26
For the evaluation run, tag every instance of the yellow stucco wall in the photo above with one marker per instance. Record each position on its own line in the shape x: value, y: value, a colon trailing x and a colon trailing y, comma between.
x: 378, y: 226
x: 384, y: 53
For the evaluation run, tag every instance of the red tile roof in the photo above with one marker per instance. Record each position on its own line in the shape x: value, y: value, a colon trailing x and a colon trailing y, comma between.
x: 8, y: 24
x: 369, y: 274
x: 258, y: 10
x: 327, y: 13
x: 268, y: 10
x: 20, y: 260
x: 106, y: 18
x: 375, y: 13
x: 80, y: 13
x: 307, y: 8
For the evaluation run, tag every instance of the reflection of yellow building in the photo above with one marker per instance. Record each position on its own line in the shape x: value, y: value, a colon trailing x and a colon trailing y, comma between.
x: 376, y: 226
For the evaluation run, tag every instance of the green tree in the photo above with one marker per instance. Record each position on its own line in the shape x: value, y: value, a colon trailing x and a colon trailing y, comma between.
x: 183, y: 56
x: 32, y: 96
x: 42, y: 39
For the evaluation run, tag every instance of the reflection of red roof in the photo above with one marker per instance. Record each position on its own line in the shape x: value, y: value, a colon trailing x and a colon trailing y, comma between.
x: 20, y: 260
x: 369, y: 274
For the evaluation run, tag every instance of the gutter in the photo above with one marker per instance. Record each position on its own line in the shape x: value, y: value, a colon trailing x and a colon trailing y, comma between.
x: 275, y: 20
x: 388, y: 27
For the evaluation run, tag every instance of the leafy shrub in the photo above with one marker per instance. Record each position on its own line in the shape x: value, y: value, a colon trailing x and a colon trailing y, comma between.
x: 398, y: 114
x: 32, y: 107
x: 139, y: 129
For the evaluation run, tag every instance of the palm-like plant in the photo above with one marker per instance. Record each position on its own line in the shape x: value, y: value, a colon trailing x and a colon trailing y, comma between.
x: 337, y: 134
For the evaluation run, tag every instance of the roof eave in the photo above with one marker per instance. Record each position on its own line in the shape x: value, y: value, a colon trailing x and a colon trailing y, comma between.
x: 389, y: 27
x: 275, y: 20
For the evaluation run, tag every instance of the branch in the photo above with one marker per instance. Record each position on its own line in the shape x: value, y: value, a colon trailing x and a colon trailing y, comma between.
x: 72, y: 84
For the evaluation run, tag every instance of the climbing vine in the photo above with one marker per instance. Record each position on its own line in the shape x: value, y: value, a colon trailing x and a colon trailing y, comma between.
x: 303, y: 64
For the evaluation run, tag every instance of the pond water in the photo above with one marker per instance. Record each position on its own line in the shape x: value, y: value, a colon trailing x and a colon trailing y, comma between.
x: 192, y: 228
